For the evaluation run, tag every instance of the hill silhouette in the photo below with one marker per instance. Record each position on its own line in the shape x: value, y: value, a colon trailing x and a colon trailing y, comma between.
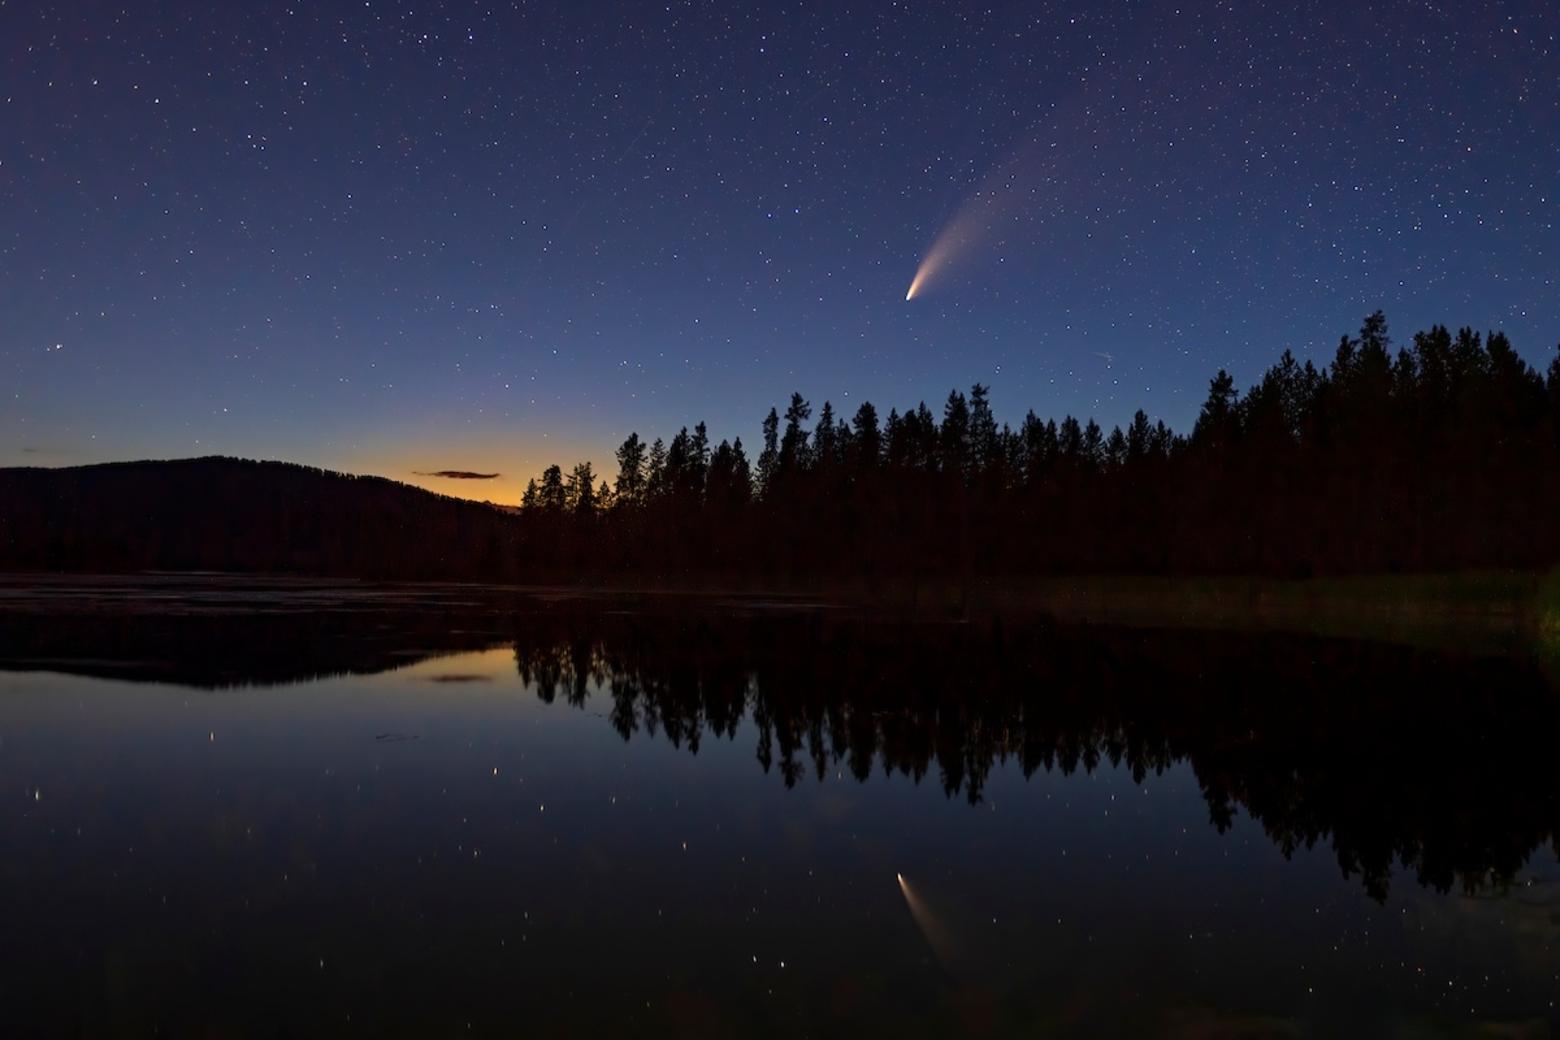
x: 227, y: 514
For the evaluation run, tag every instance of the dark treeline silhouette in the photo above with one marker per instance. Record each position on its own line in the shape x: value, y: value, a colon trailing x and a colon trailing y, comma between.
x: 1439, y: 763
x: 1443, y: 455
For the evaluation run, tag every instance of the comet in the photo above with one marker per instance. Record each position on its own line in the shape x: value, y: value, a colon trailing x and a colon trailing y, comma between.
x: 950, y: 244
x: 998, y: 204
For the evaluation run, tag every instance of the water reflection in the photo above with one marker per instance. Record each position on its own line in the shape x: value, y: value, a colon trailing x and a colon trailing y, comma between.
x: 701, y: 818
x: 1437, y: 762
x: 1440, y: 763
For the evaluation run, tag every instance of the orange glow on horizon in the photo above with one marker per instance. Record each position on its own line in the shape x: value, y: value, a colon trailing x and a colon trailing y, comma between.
x: 514, y: 464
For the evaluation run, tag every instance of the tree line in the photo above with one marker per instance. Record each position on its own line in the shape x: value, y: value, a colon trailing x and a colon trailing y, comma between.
x: 1443, y: 454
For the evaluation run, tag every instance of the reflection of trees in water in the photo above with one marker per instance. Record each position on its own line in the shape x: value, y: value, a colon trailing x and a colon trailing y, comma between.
x: 1392, y: 756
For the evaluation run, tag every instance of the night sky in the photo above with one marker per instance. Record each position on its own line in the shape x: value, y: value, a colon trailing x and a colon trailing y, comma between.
x: 403, y: 237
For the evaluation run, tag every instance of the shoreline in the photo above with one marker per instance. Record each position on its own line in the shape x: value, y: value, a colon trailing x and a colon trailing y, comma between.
x: 1516, y: 599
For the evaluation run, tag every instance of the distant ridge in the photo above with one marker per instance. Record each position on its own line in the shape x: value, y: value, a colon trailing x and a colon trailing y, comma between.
x: 219, y: 513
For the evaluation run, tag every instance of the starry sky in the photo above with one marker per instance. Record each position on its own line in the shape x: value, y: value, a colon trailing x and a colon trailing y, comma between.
x: 413, y: 237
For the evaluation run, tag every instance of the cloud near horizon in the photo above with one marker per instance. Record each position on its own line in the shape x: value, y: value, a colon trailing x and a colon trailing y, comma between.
x: 457, y: 474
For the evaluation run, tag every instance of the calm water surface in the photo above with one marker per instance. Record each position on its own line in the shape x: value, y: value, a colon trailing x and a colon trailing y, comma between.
x: 319, y: 813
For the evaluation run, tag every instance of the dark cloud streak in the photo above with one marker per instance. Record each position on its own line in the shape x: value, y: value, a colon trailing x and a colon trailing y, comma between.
x: 457, y: 474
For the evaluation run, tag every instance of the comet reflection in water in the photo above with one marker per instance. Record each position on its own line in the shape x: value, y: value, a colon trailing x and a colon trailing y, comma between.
x: 933, y: 929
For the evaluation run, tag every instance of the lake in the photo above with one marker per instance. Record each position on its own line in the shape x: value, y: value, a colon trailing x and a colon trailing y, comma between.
x: 294, y: 809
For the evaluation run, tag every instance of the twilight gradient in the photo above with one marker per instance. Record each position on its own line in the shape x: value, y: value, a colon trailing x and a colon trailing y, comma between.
x: 417, y: 237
